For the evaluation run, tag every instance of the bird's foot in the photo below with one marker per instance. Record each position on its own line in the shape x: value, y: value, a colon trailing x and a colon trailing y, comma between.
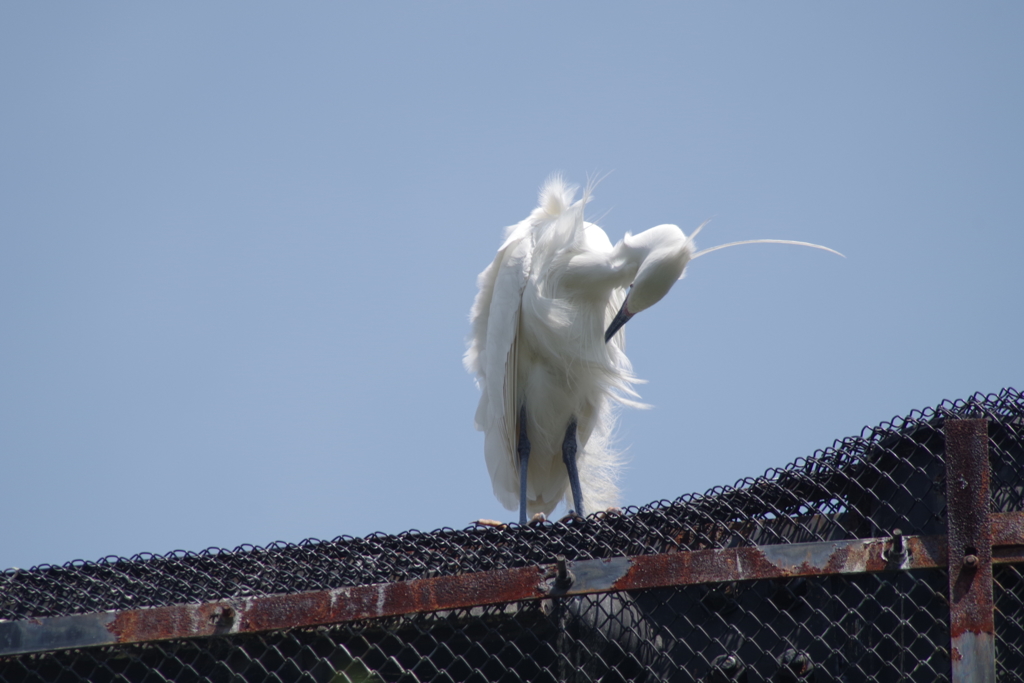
x: 610, y: 512
x: 490, y: 522
x: 571, y: 518
x: 537, y: 519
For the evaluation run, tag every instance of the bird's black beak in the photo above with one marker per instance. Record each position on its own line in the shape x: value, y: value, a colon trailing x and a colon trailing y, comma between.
x: 620, y: 319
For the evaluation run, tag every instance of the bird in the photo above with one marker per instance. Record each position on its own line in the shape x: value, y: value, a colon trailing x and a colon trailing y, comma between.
x: 547, y: 347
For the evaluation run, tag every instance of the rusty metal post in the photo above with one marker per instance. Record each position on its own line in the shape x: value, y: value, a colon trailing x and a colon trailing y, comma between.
x: 971, y: 621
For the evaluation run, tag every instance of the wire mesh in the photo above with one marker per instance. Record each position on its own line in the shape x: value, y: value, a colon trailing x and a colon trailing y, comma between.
x: 882, y: 627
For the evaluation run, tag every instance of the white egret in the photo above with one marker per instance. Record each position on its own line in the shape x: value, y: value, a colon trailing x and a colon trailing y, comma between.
x: 547, y: 347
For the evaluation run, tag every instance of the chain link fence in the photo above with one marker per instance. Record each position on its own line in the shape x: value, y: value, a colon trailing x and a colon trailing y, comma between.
x: 821, y: 621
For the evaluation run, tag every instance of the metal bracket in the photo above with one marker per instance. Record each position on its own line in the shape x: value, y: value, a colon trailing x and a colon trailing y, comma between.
x: 896, y: 555
x: 561, y: 582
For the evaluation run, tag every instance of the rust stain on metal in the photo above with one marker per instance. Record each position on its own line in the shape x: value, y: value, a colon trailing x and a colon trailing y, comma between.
x: 970, y: 529
x: 302, y: 609
x: 752, y: 563
x: 757, y: 565
x: 970, y: 537
x: 382, y: 600
x: 160, y: 623
x: 265, y: 613
x: 1007, y: 528
x: 1007, y: 537
x: 927, y: 552
x: 841, y: 558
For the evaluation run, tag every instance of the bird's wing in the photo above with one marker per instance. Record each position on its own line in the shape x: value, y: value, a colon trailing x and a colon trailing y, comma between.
x: 479, y: 316
x: 500, y: 363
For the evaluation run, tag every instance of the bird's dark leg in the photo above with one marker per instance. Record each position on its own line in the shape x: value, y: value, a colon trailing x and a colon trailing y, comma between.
x: 524, y: 458
x: 569, y: 458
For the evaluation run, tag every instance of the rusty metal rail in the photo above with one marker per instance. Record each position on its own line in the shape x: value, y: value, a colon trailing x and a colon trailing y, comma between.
x: 266, y: 613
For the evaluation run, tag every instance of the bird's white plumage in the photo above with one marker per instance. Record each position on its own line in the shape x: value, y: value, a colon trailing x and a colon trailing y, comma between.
x: 538, y: 340
x: 547, y: 342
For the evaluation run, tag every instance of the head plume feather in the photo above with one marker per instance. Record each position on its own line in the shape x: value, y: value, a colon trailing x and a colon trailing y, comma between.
x: 555, y: 197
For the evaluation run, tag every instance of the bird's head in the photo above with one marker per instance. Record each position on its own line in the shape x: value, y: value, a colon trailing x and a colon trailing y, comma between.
x: 664, y: 252
x: 668, y: 253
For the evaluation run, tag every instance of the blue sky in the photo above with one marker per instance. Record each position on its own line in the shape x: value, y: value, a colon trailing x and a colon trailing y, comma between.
x: 239, y: 243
